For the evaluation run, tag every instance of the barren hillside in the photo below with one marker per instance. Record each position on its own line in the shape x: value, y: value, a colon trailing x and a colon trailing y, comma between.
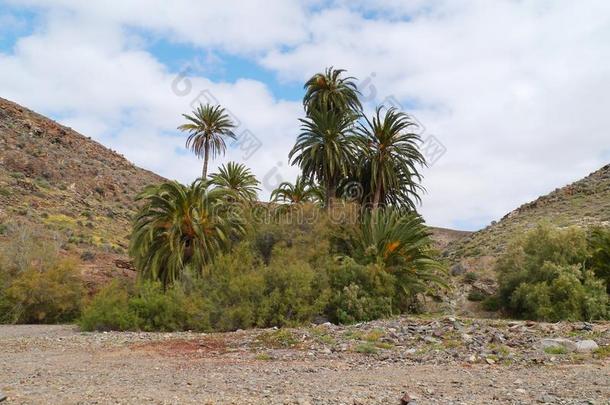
x: 55, y: 179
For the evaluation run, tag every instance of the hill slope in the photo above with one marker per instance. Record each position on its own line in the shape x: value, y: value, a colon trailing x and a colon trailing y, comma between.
x: 56, y: 179
x: 583, y: 203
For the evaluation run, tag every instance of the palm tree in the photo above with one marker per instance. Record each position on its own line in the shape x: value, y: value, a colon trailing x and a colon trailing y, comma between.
x: 237, y: 178
x: 207, y: 126
x: 331, y: 92
x: 391, y: 159
x: 325, y: 150
x: 181, y: 228
x: 300, y: 192
x: 399, y: 243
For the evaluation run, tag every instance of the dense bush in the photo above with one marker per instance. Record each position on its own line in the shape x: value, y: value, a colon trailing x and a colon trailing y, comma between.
x: 361, y: 293
x: 36, y: 284
x: 147, y: 307
x: 599, y: 259
x: 543, y: 276
x: 280, y: 274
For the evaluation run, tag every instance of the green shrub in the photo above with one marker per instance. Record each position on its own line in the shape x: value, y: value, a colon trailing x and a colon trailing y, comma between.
x: 146, y: 308
x: 470, y: 277
x: 171, y: 310
x: 476, y: 295
x: 599, y: 259
x: 361, y: 293
x: 491, y: 304
x: 109, y: 310
x: 45, y: 296
x: 541, y: 276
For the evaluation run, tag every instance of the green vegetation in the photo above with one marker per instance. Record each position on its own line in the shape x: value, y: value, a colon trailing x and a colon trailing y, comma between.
x: 543, y: 276
x: 366, y: 348
x: 279, y: 339
x: 476, y: 295
x: 301, y: 191
x: 238, y: 264
x: 36, y: 284
x: 302, y: 275
x: 599, y: 259
x: 555, y: 350
x: 180, y: 229
x: 602, y: 353
x: 236, y: 179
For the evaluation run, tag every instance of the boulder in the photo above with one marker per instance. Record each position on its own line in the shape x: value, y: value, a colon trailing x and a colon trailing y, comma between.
x: 458, y: 269
x: 567, y: 344
x: 586, y: 346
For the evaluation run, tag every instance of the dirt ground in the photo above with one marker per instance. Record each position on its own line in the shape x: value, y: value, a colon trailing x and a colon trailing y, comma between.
x: 317, y: 365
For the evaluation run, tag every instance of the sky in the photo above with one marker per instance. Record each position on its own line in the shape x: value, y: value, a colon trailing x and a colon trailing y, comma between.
x: 513, y: 97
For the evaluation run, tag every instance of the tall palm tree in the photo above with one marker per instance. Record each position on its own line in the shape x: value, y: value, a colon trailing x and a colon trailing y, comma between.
x: 207, y: 127
x: 391, y: 158
x: 325, y: 150
x: 237, y: 178
x: 180, y: 227
x: 299, y: 192
x: 332, y: 92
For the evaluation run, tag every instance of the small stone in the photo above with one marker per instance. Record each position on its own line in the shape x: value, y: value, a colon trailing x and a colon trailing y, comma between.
x: 407, y: 399
x: 489, y: 360
x: 2, y: 397
x: 457, y: 270
x: 586, y: 346
x: 520, y: 391
x: 430, y: 339
x: 466, y: 338
x: 472, y: 358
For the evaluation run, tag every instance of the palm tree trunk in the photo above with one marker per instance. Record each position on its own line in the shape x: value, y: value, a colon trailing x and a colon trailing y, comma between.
x: 206, y: 155
x: 329, y: 195
x: 377, y: 196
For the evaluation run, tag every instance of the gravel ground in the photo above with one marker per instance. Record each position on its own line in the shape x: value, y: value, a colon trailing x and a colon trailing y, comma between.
x: 443, y: 360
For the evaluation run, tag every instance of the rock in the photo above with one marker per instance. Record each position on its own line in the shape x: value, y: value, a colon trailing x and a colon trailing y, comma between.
x: 567, y: 344
x: 2, y: 397
x: 407, y: 399
x: 320, y: 320
x: 584, y: 326
x: 458, y: 269
x: 498, y: 338
x: 520, y: 391
x: 586, y: 346
x: 489, y: 360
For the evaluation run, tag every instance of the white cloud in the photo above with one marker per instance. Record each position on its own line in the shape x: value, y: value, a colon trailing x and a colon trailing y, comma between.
x: 84, y: 73
x: 516, y: 91
x: 235, y: 25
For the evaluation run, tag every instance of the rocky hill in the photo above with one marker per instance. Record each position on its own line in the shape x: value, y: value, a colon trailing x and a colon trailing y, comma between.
x: 55, y: 179
x: 583, y: 203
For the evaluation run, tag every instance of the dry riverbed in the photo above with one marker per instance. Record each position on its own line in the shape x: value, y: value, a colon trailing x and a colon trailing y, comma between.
x: 404, y: 360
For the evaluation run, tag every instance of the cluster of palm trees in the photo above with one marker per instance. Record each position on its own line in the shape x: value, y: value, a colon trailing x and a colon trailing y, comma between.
x: 182, y: 228
x: 339, y: 145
